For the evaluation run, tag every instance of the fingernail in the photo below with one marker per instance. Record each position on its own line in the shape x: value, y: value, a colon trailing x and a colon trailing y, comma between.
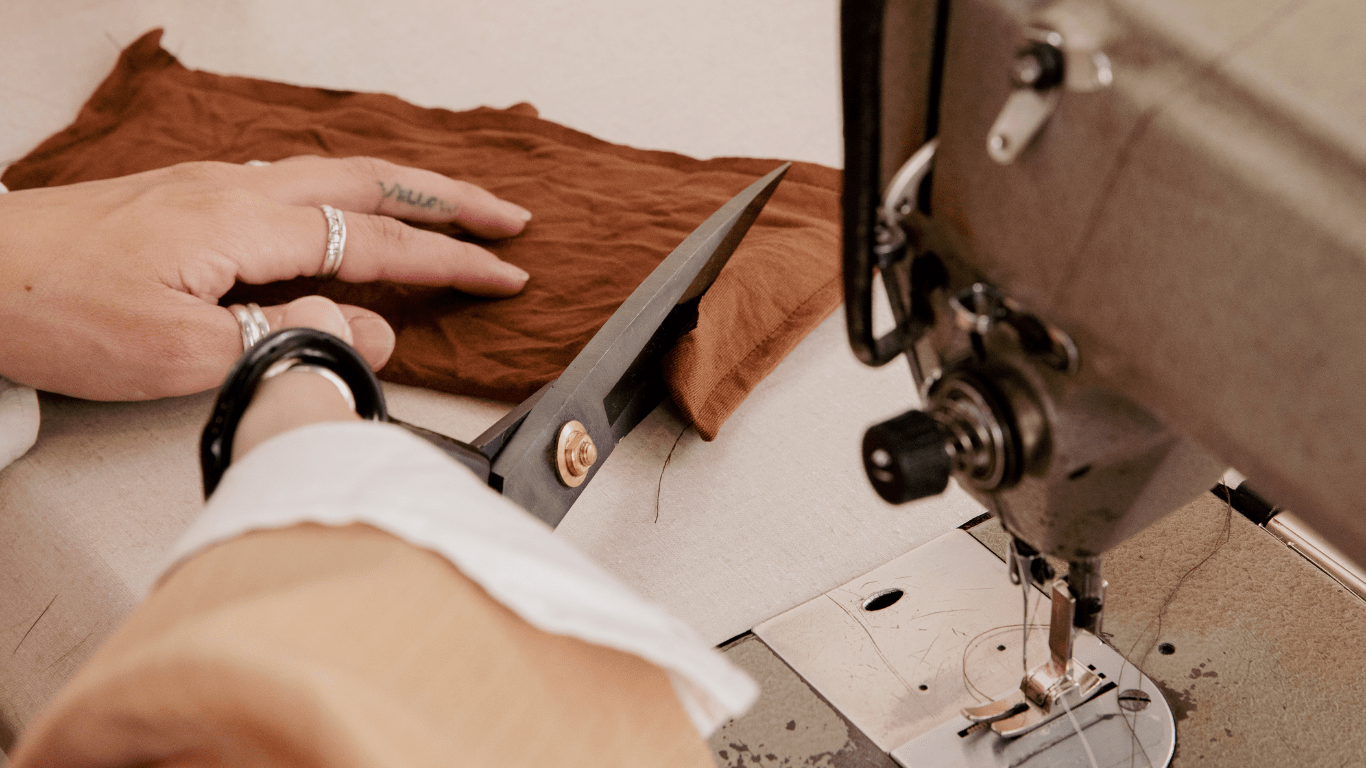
x: 522, y: 212
x: 374, y: 339
x: 514, y: 272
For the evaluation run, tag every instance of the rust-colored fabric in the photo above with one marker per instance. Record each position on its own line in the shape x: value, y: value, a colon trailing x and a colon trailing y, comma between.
x: 605, y: 216
x: 348, y: 648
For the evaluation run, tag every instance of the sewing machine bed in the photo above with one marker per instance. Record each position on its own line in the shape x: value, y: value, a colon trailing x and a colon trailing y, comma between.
x: 1256, y: 651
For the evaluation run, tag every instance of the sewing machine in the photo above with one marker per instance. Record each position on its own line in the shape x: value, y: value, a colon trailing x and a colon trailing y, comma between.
x: 1119, y: 243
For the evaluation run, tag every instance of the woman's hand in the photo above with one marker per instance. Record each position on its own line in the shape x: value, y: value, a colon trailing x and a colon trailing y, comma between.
x: 109, y: 289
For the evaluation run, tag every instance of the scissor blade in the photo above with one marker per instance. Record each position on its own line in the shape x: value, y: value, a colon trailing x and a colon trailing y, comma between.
x: 615, y: 381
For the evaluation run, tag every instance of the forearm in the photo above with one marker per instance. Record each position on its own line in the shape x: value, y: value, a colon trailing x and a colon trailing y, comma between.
x: 288, y: 401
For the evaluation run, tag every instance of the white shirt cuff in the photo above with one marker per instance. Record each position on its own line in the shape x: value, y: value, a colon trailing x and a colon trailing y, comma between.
x: 18, y: 421
x: 339, y: 473
x: 18, y: 416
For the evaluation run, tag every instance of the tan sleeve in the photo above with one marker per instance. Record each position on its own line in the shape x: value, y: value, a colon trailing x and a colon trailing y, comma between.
x: 315, y: 646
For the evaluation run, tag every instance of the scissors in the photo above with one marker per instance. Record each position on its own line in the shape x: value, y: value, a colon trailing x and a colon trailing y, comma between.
x: 545, y: 450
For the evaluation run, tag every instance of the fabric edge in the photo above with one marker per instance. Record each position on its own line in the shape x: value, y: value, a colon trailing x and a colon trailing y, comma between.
x: 722, y: 398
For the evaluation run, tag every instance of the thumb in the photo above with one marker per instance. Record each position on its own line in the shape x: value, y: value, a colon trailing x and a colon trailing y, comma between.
x: 314, y: 312
x: 366, y: 331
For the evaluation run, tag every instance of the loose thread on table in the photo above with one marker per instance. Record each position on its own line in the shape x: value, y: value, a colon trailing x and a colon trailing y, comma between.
x: 1224, y: 536
x: 659, y: 489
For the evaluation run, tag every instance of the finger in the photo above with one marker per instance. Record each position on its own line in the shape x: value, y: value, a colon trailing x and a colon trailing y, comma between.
x: 366, y: 331
x: 199, y: 343
x: 371, y: 334
x: 377, y: 248
x: 387, y: 249
x: 370, y: 185
x: 315, y: 312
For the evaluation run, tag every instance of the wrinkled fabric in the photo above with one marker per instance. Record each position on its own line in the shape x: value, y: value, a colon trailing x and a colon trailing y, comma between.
x: 605, y: 216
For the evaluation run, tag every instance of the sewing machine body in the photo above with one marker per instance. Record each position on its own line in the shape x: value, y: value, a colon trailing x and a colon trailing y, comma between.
x: 1109, y: 234
x: 1190, y: 212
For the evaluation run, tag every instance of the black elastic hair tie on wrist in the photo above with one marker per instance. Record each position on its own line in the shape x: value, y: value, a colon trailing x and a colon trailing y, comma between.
x: 311, y: 347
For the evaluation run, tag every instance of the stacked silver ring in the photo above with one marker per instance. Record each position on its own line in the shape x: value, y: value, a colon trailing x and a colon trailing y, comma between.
x: 336, y: 242
x: 253, y: 323
x: 295, y: 364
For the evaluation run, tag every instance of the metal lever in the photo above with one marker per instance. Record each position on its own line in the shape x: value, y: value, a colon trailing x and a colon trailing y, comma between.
x: 1045, y: 65
x: 1037, y: 72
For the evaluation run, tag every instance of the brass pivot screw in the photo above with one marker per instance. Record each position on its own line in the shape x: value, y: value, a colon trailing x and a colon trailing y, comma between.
x: 574, y: 454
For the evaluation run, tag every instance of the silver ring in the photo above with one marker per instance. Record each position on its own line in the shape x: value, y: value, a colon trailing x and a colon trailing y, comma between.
x: 336, y: 243
x: 253, y: 323
x: 295, y: 364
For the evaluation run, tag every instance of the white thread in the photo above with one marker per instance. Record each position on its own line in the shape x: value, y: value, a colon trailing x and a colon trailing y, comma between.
x: 1077, y: 726
x: 1024, y: 641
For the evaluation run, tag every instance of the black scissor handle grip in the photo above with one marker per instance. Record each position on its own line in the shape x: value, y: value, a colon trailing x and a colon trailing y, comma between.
x: 311, y: 347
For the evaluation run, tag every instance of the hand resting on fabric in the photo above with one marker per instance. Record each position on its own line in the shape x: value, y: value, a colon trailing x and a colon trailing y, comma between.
x: 109, y: 289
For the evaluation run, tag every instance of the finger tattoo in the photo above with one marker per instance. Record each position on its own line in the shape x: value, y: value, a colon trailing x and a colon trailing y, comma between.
x: 417, y: 199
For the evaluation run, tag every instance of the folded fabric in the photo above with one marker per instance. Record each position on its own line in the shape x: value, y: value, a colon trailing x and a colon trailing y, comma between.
x: 605, y: 216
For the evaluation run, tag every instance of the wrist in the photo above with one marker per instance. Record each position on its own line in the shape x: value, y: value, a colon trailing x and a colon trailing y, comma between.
x: 288, y: 400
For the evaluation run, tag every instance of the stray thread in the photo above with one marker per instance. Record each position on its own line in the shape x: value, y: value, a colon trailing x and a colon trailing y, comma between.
x: 1024, y: 622
x: 1077, y: 727
x: 1224, y: 536
x: 659, y: 489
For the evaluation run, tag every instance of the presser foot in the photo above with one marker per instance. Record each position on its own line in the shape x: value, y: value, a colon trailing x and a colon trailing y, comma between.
x: 1051, y: 688
x: 1038, y: 701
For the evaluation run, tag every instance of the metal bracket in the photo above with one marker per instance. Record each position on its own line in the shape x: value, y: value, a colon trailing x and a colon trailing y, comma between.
x: 1023, y: 116
x: 1047, y: 63
x: 982, y: 307
x: 899, y: 199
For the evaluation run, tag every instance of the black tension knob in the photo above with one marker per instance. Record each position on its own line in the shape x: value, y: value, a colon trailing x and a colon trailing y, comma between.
x: 906, y: 458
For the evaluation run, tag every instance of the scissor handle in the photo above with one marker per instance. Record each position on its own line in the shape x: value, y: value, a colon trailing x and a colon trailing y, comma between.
x: 311, y: 346
x: 318, y: 348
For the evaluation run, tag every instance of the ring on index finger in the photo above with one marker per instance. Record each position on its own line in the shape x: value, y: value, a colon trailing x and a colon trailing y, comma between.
x: 252, y: 322
x: 336, y: 243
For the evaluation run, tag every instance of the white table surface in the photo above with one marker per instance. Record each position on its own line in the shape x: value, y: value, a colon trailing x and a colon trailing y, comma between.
x: 772, y: 513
